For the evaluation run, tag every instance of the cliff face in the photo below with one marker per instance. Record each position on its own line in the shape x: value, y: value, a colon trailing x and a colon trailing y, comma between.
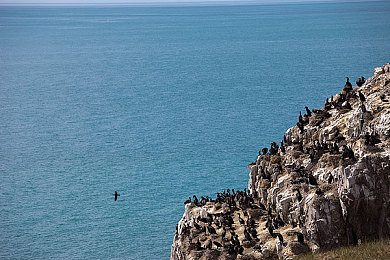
x: 327, y: 184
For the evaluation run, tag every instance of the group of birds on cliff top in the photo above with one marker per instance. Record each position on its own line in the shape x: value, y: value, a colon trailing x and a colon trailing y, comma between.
x: 242, y: 200
x: 342, y: 103
x: 224, y: 222
x: 317, y: 148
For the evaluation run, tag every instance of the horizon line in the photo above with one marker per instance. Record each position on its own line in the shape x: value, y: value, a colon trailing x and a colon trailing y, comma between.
x: 178, y: 2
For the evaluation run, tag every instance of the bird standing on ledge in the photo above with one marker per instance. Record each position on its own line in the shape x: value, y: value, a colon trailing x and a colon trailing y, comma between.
x: 116, y: 195
x: 348, y: 85
x: 360, y: 81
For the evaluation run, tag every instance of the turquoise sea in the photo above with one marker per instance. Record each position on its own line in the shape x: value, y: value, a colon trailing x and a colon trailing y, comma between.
x: 158, y: 103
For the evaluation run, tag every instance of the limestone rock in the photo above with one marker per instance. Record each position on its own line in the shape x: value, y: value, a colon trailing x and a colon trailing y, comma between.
x: 329, y: 185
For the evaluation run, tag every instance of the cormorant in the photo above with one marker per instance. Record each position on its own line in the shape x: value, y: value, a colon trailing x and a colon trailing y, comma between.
x: 280, y: 238
x: 196, y: 225
x: 300, y: 237
x: 247, y: 236
x: 116, y: 194
x: 361, y: 96
x: 319, y: 192
x: 280, y: 221
x: 348, y: 85
x: 271, y: 231
x: 360, y: 81
x: 363, y: 107
x: 330, y: 179
x: 312, y: 180
x: 299, y: 196
x: 211, y: 230
x: 196, y: 202
x: 308, y: 112
x: 242, y: 222
x: 223, y: 232
x: 188, y: 201
x: 209, y: 244
x: 198, y: 245
x: 217, y: 244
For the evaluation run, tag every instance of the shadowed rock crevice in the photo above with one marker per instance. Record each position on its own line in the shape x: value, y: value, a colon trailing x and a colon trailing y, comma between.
x: 326, y: 184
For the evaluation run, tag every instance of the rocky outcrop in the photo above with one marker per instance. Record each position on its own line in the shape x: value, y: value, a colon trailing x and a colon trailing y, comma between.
x: 326, y: 184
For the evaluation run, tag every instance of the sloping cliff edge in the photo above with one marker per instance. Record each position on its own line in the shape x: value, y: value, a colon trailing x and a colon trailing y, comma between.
x: 327, y: 184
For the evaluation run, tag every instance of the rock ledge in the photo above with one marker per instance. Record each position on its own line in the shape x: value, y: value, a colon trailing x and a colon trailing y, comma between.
x: 327, y: 184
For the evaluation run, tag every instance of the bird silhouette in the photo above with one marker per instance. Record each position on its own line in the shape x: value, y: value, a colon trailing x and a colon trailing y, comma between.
x: 116, y: 194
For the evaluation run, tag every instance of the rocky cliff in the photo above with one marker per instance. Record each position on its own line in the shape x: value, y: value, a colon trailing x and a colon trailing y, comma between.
x: 326, y: 184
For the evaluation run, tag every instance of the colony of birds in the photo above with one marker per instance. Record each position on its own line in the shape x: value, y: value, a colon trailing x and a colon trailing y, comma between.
x: 234, y: 211
x: 306, y: 192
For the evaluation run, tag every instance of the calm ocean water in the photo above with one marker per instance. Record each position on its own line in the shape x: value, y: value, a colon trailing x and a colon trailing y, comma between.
x: 158, y: 103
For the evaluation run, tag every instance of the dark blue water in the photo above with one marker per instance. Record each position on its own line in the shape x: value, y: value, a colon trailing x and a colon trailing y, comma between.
x: 158, y: 103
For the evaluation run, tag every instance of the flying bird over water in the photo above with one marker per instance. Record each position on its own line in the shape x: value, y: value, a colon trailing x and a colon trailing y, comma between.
x: 116, y: 194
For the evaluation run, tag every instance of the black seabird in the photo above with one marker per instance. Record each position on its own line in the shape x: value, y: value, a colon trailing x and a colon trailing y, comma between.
x: 247, y: 236
x: 196, y: 225
x: 242, y: 222
x: 308, y: 112
x: 223, y: 233
x: 330, y: 179
x: 116, y: 195
x: 360, y: 81
x: 271, y: 231
x: 319, y: 192
x: 312, y: 180
x: 280, y: 237
x: 299, y: 196
x: 348, y: 85
x: 209, y: 244
x: 198, y: 246
x: 300, y: 237
x: 361, y: 96
x: 217, y: 244
x: 211, y: 230
x: 188, y: 201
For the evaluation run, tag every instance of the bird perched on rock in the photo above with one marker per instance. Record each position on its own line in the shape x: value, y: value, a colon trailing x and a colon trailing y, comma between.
x: 198, y: 245
x: 308, y: 112
x: 280, y: 237
x: 312, y: 180
x: 116, y: 194
x: 211, y: 230
x: 196, y: 225
x: 242, y: 222
x: 217, y: 244
x: 360, y: 81
x: 348, y: 85
x: 330, y: 179
x: 361, y: 96
x: 319, y: 191
x: 196, y: 201
x: 223, y: 233
x: 247, y: 236
x: 209, y: 244
x: 188, y: 201
x: 300, y: 237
